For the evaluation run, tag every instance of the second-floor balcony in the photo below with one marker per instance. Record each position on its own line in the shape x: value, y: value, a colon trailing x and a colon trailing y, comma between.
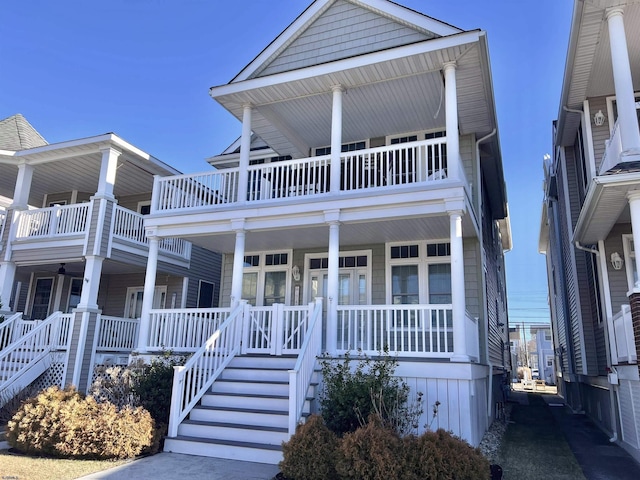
x: 65, y: 222
x: 381, y: 169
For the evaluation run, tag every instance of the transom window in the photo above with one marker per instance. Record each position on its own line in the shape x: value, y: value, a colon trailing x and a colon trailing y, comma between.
x: 346, y: 147
x: 348, y: 261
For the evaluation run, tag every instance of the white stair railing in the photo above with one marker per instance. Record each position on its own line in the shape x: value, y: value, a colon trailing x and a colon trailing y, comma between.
x: 301, y: 375
x: 30, y: 349
x: 7, y: 329
x: 191, y: 381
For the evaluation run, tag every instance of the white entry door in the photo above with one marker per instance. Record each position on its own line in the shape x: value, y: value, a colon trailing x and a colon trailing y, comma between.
x: 133, y: 307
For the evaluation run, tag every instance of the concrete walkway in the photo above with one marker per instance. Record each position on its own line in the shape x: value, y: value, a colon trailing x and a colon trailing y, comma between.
x: 171, y: 466
x: 598, y: 458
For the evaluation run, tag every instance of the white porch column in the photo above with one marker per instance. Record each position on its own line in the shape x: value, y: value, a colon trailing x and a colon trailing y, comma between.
x: 336, y: 138
x: 23, y: 187
x: 245, y: 152
x: 108, y: 169
x: 238, y: 263
x: 625, y: 99
x: 634, y: 207
x: 451, y: 109
x: 457, y: 289
x: 333, y: 278
x: 91, y: 283
x: 7, y: 276
x: 149, y: 291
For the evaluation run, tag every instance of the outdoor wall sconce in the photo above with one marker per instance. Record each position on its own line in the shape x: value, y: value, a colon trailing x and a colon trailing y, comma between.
x: 599, y: 118
x: 295, y: 273
x: 616, y: 261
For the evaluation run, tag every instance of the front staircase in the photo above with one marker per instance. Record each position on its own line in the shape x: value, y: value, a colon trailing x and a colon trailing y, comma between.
x: 245, y: 414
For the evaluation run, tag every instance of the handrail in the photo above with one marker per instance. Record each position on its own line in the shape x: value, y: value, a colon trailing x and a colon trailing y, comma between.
x: 191, y: 381
x: 302, y: 373
x: 20, y: 355
x: 117, y: 334
x: 7, y: 329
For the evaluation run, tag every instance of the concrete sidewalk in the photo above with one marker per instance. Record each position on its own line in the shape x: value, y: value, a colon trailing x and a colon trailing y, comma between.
x: 172, y: 466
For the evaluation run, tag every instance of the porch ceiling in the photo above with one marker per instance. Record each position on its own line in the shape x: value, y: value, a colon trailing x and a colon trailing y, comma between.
x: 76, y: 166
x: 351, y: 234
x: 395, y: 91
x: 588, y: 72
x: 605, y: 205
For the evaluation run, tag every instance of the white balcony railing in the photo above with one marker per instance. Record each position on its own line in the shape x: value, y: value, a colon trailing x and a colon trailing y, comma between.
x: 404, y: 330
x: 129, y: 226
x: 117, y: 334
x: 60, y: 220
x: 621, y: 337
x: 382, y: 167
x: 613, y: 149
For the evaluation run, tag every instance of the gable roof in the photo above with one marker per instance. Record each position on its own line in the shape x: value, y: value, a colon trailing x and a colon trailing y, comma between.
x: 18, y: 134
x: 326, y: 32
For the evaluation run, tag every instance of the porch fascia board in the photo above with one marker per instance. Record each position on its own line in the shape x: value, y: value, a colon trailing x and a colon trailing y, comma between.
x: 232, y: 91
x: 415, y: 202
x: 37, y: 244
x: 593, y: 202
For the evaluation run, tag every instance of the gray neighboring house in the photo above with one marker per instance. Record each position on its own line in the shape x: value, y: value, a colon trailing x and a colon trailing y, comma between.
x: 591, y: 219
x: 73, y: 250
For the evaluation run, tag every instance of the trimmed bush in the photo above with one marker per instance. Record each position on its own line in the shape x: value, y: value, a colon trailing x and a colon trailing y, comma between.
x: 64, y: 423
x: 310, y: 453
x: 372, y: 452
x: 440, y: 455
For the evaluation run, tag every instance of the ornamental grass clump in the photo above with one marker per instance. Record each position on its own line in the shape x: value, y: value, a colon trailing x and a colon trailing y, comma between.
x: 65, y: 423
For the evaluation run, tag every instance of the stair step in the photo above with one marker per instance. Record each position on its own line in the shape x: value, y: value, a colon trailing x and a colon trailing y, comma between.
x: 232, y: 450
x: 250, y: 387
x: 234, y: 431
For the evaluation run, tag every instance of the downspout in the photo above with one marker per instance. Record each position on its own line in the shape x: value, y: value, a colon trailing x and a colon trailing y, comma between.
x: 486, y: 312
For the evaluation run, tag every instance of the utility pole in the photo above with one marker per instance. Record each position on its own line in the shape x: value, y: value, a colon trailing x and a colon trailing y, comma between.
x: 526, y: 347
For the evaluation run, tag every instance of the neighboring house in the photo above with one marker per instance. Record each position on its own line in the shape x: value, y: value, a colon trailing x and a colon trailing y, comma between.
x: 73, y: 249
x: 591, y: 219
x: 544, y: 353
x: 368, y: 176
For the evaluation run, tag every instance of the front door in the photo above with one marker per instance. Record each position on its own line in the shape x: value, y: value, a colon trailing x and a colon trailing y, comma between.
x: 41, y: 298
x: 133, y: 308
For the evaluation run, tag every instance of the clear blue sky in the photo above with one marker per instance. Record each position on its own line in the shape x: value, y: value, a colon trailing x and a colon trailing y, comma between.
x: 142, y: 69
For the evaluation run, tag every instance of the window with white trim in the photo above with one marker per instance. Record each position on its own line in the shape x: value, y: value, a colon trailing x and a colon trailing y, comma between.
x: 266, y: 278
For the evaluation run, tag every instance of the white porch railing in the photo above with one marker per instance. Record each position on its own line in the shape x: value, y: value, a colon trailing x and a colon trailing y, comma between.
x: 403, y: 330
x: 613, y: 149
x: 184, y: 330
x: 276, y: 330
x: 621, y: 337
x: 32, y: 348
x: 388, y: 166
x: 117, y: 334
x: 192, y: 380
x: 301, y: 375
x: 10, y: 328
x: 59, y: 220
x: 129, y: 226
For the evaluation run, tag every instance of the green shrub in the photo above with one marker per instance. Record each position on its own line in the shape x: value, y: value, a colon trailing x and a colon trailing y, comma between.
x: 441, y: 455
x: 152, y: 385
x: 64, y: 423
x: 372, y: 452
x: 310, y: 453
x: 351, y: 394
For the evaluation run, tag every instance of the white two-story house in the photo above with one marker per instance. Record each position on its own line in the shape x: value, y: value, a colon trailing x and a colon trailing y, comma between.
x: 367, y: 183
x: 591, y: 219
x: 73, y: 250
